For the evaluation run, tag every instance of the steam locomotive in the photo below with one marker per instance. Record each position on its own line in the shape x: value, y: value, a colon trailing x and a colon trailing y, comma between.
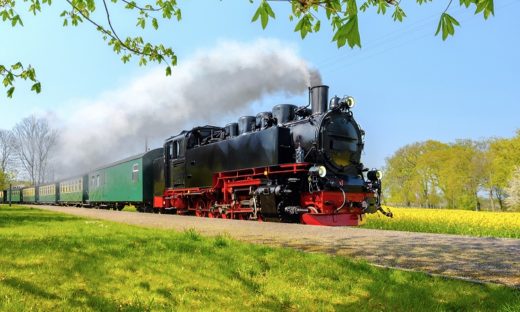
x: 294, y: 164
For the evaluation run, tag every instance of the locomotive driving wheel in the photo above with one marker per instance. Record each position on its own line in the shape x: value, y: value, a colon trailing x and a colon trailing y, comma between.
x: 212, y: 212
x: 200, y: 208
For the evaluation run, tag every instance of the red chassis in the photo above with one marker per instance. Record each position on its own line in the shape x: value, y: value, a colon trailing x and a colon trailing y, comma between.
x: 229, y: 198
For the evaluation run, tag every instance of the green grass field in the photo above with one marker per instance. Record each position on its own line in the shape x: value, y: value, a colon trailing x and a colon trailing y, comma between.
x: 57, y: 262
x: 449, y: 221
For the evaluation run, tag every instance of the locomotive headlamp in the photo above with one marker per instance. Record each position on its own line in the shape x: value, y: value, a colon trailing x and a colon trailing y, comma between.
x: 348, y: 101
x: 374, y: 175
x: 320, y: 171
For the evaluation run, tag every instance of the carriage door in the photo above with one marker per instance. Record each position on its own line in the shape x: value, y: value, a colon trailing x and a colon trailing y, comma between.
x: 177, y: 163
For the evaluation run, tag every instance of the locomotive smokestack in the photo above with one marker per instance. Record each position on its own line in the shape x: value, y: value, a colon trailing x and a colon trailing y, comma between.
x: 319, y: 99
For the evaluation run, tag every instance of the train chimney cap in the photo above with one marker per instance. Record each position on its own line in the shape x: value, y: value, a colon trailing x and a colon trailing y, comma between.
x: 318, y: 86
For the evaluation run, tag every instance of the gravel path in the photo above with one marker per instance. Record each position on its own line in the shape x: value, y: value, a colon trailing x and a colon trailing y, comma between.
x: 478, y: 259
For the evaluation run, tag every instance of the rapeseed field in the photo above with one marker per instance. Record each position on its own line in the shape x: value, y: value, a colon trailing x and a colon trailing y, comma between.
x: 449, y: 221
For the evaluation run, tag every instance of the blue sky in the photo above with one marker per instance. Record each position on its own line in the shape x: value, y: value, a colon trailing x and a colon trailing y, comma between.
x: 409, y: 85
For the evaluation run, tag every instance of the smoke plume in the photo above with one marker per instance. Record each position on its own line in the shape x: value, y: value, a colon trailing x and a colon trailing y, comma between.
x: 223, y: 82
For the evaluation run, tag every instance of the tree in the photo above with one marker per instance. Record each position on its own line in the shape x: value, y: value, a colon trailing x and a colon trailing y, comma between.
x: 34, y: 142
x: 307, y: 14
x: 412, y: 175
x: 434, y: 174
x: 7, y: 145
x: 6, y: 156
x: 504, y: 157
x: 4, y: 183
x: 513, y: 191
x: 461, y: 175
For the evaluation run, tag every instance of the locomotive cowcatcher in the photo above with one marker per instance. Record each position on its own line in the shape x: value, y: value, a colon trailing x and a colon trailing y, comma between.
x: 294, y: 164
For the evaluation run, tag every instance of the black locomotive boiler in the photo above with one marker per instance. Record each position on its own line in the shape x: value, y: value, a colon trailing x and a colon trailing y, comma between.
x: 294, y: 164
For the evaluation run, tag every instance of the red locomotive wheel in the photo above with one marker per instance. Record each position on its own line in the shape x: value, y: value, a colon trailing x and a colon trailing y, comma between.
x: 200, y: 208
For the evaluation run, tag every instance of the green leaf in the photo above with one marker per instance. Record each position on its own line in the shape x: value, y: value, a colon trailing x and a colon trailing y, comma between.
x: 453, y: 20
x: 264, y: 18
x: 381, y: 7
x: 466, y: 3
x: 269, y: 10
x: 348, y: 33
x: 263, y: 12
x: 155, y: 24
x: 439, y: 26
x: 317, y: 26
x: 257, y: 14
x: 398, y: 14
x: 37, y: 87
x: 10, y: 92
x: 16, y: 66
x: 141, y: 22
x: 168, y: 71
x: 364, y: 6
x: 447, y: 24
x: 485, y: 6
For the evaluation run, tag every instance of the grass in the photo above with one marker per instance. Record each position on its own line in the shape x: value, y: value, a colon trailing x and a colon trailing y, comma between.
x: 449, y: 221
x: 129, y: 208
x: 51, y: 261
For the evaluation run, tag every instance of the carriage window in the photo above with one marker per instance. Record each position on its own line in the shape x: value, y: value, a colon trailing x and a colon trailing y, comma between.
x: 135, y: 173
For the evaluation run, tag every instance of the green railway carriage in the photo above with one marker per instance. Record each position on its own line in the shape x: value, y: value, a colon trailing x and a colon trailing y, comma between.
x: 129, y: 181
x: 73, y: 191
x: 29, y: 195
x: 47, y: 194
x: 14, y: 195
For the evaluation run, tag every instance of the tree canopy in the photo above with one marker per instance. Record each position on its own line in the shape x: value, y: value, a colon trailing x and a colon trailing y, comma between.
x: 456, y: 175
x: 307, y: 15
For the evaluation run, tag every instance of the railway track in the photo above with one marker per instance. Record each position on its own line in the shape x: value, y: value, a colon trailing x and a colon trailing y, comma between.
x: 487, y: 260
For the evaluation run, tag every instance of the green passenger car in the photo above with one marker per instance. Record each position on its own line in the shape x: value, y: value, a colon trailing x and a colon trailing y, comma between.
x: 14, y: 195
x: 47, y: 194
x: 29, y: 195
x: 73, y: 191
x: 129, y: 181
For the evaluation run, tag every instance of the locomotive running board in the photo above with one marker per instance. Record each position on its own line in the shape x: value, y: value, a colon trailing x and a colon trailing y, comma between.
x: 338, y: 219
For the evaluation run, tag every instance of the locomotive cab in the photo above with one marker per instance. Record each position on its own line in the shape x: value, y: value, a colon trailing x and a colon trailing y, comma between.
x: 174, y: 150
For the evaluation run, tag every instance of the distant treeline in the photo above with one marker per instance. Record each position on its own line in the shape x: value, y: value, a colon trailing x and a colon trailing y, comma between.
x: 466, y: 175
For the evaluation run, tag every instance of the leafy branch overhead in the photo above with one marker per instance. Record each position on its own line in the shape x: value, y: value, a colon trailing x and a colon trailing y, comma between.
x: 81, y: 11
x: 17, y: 71
x: 342, y: 15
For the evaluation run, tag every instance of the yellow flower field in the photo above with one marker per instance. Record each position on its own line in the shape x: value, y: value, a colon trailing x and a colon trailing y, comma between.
x: 449, y: 221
